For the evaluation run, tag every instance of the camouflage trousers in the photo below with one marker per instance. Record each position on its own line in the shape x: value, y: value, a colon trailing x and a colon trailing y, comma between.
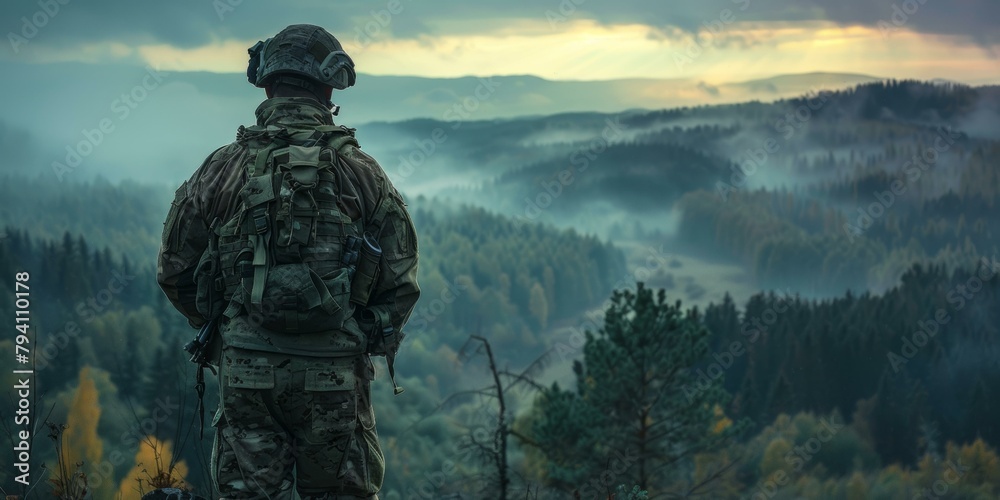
x: 297, y: 422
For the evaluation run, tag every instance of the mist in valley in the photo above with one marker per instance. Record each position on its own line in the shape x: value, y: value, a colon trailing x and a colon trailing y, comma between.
x: 527, y: 224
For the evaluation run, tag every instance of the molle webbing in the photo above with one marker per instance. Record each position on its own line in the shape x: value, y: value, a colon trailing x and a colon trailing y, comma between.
x: 282, y: 253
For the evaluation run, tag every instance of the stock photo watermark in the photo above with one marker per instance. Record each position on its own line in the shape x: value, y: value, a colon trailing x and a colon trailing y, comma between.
x: 953, y: 473
x: 752, y: 330
x: 707, y: 36
x: 913, y: 168
x: 370, y: 31
x: 122, y: 107
x: 428, y: 312
x: 32, y: 25
x: 462, y: 109
x: 958, y: 296
x: 756, y: 157
x: 796, y: 459
x: 900, y: 17
x: 87, y: 310
x: 655, y: 260
x: 565, y: 10
x: 580, y: 160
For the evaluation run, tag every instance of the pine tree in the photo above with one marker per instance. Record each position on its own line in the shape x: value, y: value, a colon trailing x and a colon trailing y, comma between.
x: 639, y: 409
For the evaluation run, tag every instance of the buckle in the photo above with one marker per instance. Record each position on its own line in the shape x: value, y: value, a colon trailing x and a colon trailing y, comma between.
x: 260, y: 222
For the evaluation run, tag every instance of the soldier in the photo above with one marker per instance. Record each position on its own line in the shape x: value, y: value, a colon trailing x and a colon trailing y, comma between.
x: 296, y: 244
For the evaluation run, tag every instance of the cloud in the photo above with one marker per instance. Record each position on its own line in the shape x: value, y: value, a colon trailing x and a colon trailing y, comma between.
x: 711, y: 90
x: 975, y: 19
x: 188, y: 24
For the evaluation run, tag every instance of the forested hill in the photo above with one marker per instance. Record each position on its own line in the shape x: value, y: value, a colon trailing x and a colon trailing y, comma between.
x: 502, y: 267
x: 847, y: 274
x: 126, y: 217
x: 911, y: 101
x: 596, y: 171
x: 95, y: 302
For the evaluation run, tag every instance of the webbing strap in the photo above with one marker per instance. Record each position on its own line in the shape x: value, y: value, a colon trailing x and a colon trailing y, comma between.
x: 382, y: 318
x: 384, y: 329
x: 339, y: 136
x: 259, y: 268
x: 199, y: 388
x: 263, y: 153
x: 390, y: 361
x: 378, y: 218
x: 260, y: 237
x: 235, y: 306
x: 261, y: 160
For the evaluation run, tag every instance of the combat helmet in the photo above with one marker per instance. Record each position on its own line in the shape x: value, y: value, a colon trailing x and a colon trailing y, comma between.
x: 304, y: 55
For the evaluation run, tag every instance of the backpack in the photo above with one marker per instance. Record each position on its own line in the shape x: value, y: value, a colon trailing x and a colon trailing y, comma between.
x: 289, y: 256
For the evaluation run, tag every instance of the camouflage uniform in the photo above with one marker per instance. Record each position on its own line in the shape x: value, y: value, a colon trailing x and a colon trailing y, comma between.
x: 287, y: 401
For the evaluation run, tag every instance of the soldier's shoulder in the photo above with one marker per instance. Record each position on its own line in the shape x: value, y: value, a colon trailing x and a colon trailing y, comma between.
x: 365, y: 160
x: 226, y: 152
x: 216, y: 167
x: 370, y: 173
x: 221, y: 156
x: 364, y: 165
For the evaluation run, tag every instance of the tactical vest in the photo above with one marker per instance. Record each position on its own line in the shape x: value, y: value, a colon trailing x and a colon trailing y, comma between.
x: 289, y: 256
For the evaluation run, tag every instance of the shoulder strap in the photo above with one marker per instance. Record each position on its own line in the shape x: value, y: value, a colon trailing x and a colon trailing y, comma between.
x: 339, y: 136
x: 256, y: 193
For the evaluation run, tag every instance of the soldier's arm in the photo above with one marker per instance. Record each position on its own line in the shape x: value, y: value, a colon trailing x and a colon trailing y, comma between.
x: 397, y: 285
x: 185, y: 237
x: 396, y: 291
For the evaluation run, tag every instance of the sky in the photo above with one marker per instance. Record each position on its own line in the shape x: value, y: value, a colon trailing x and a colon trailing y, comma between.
x: 716, y: 40
x: 166, y: 79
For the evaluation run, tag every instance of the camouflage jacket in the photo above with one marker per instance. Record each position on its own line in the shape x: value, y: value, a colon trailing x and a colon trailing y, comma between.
x: 213, y: 191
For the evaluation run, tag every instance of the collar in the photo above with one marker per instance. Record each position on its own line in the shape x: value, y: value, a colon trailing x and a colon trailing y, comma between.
x: 293, y: 113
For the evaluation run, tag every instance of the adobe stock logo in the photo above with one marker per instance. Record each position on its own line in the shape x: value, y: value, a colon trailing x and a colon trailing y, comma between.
x: 958, y: 296
x: 899, y: 18
x: 914, y: 168
x: 122, y: 107
x: 580, y: 160
x: 48, y: 9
